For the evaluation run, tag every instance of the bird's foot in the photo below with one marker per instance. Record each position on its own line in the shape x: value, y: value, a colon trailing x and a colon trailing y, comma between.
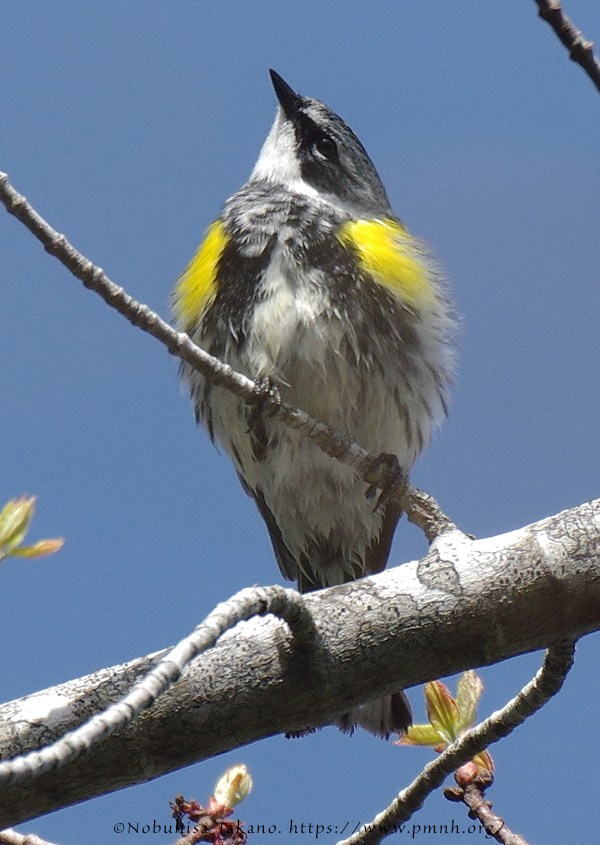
x: 265, y: 401
x: 390, y: 477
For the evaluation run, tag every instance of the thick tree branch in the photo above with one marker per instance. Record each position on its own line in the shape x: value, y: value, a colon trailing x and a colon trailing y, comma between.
x: 581, y: 51
x: 466, y: 604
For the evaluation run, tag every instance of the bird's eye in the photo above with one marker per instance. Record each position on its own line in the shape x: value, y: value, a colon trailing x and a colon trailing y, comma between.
x: 326, y: 147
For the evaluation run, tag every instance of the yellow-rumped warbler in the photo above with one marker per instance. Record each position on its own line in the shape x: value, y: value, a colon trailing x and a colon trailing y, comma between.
x: 308, y: 279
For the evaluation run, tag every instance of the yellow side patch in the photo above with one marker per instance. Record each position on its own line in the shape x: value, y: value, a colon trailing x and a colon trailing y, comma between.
x: 389, y: 254
x: 196, y: 287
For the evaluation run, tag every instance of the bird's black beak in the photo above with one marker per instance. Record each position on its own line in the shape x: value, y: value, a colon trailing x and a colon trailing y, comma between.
x: 289, y: 100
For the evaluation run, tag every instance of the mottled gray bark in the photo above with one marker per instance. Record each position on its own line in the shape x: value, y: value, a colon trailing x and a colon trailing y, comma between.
x: 466, y: 604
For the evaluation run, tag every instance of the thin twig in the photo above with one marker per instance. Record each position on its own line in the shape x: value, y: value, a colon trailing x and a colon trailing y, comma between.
x: 580, y: 49
x: 255, y: 601
x: 473, y: 797
x: 419, y: 507
x: 547, y: 682
x: 11, y: 837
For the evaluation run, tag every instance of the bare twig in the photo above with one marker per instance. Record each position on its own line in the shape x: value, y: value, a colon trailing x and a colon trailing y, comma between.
x: 580, y: 49
x: 419, y: 507
x: 547, y: 683
x: 255, y: 601
x: 11, y: 837
x: 473, y: 796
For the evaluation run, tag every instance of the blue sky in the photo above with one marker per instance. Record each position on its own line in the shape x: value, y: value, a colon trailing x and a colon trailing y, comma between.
x: 127, y: 125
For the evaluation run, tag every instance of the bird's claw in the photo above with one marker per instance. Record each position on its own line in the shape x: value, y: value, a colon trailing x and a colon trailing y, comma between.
x: 265, y: 401
x: 390, y: 478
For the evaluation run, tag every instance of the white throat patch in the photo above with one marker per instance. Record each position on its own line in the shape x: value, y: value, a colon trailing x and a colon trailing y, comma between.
x: 278, y: 159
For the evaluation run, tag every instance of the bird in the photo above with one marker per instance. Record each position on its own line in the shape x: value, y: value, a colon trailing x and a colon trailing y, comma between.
x: 308, y: 282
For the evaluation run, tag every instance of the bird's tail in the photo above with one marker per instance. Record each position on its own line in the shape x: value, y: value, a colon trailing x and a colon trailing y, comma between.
x: 325, y: 566
x: 381, y: 716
